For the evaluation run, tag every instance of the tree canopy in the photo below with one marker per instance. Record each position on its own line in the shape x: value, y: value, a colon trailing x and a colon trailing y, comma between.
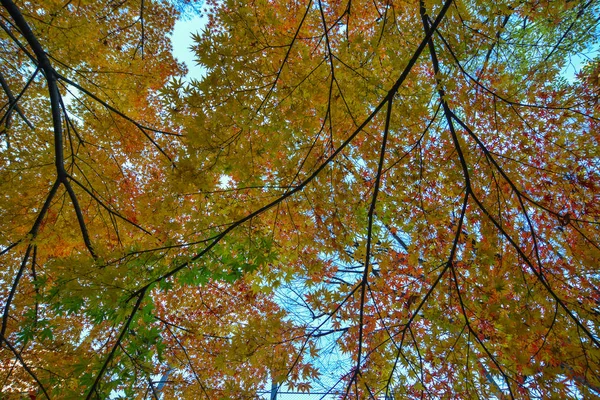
x: 402, y: 197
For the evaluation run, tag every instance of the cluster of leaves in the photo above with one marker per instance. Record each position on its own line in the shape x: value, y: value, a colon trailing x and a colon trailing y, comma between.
x: 402, y: 193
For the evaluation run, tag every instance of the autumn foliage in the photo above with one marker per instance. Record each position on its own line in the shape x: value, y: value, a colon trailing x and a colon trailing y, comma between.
x: 402, y: 197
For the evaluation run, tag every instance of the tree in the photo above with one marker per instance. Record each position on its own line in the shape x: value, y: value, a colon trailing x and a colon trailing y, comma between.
x: 408, y: 190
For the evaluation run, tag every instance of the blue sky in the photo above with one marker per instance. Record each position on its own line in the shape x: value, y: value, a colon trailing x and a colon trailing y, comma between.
x: 182, y: 41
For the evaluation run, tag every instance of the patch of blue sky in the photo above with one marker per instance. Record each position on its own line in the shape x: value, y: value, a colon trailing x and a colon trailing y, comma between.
x: 183, y: 44
x: 578, y: 61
